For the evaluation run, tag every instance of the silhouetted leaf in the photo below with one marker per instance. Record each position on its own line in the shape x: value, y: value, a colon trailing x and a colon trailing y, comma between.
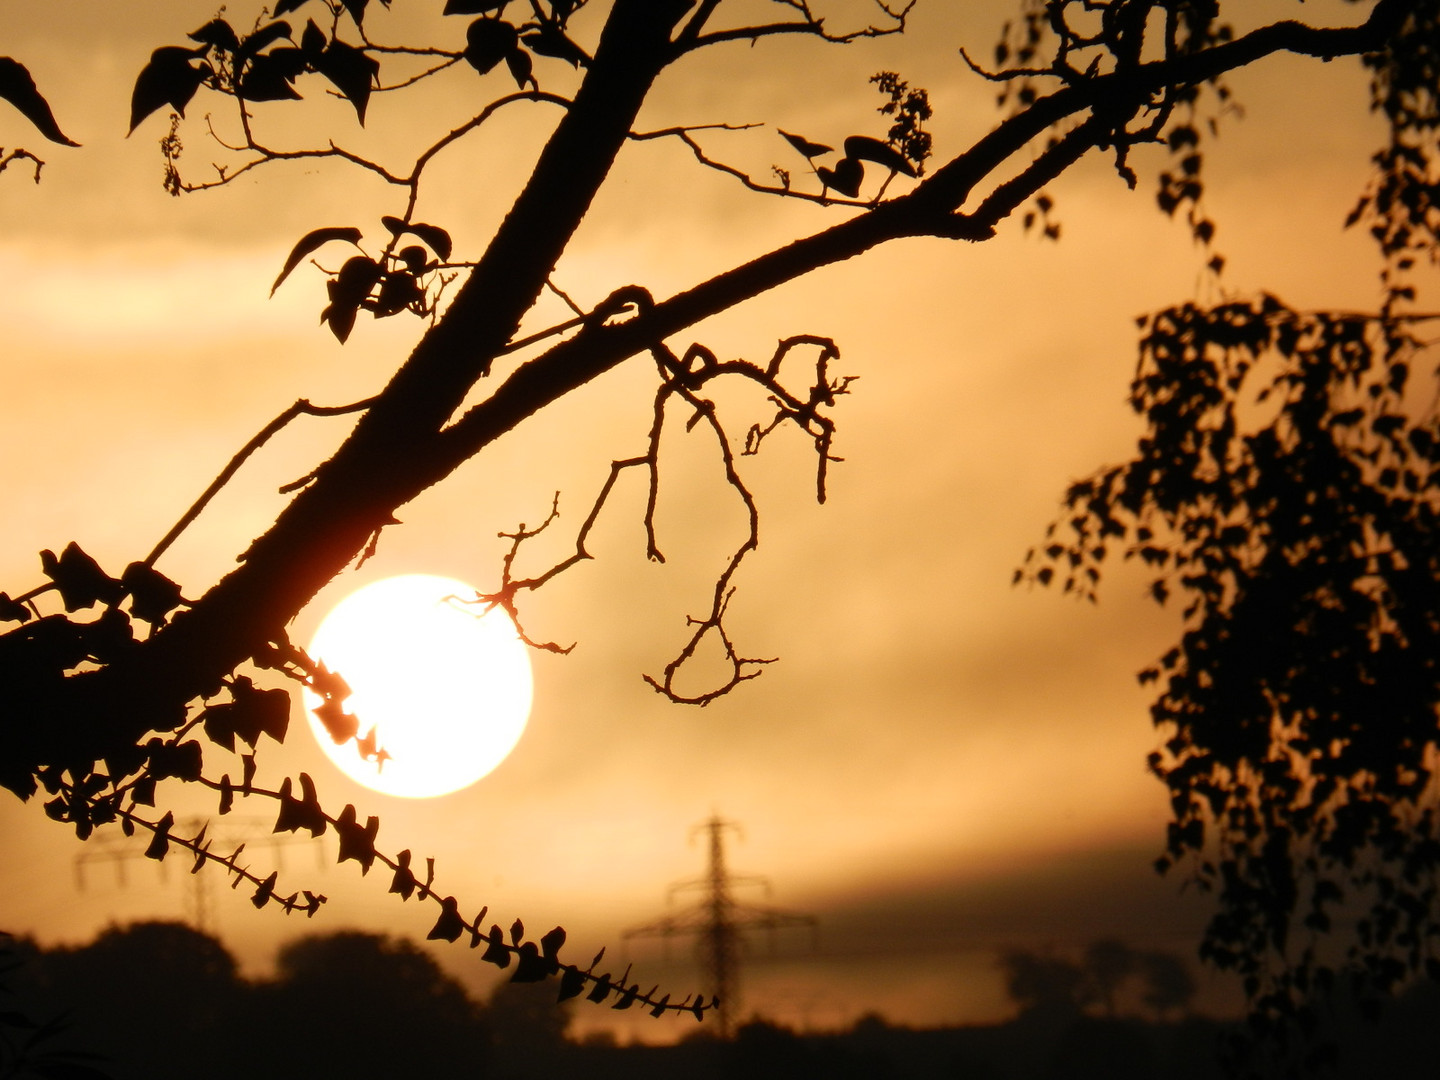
x: 341, y: 725
x: 807, y: 148
x: 81, y: 582
x: 434, y: 236
x: 348, y: 290
x: 183, y: 760
x: 658, y: 1009
x: 475, y: 935
x: 845, y: 178
x: 170, y: 79
x: 284, y: 7
x: 216, y: 32
x: 864, y: 148
x: 356, y: 8
x: 152, y: 595
x: 549, y: 40
x: 328, y: 684
x: 18, y: 88
x: 13, y: 610
x: 357, y: 276
x: 227, y: 795
x: 267, y: 78
x: 572, y: 983
x: 301, y: 813
x: 314, y: 816
x: 160, y: 842
x: 415, y: 258
x: 473, y: 7
x: 551, y: 944
x: 288, y: 62
x: 142, y: 792
x: 356, y: 842
x: 341, y: 320
x: 313, y: 42
x: 496, y: 953
x: 259, y: 711
x: 600, y: 990
x: 404, y: 881
x: 521, y: 66
x: 352, y: 72
x: 530, y: 966
x: 265, y: 891
x: 265, y: 36
x: 487, y: 42
x: 627, y: 998
x: 398, y: 291
x: 368, y: 744
x: 517, y: 932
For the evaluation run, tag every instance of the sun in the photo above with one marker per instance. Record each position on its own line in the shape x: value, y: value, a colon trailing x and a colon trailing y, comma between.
x: 441, y: 691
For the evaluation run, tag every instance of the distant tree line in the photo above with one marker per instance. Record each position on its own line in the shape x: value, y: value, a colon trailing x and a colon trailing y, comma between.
x: 158, y: 1000
x: 1108, y: 975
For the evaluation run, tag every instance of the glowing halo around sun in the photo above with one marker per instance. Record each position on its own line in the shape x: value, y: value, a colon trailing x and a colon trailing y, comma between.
x: 442, y: 689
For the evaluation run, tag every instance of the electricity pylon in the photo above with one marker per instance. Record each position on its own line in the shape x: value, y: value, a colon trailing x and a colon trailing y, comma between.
x: 718, y: 922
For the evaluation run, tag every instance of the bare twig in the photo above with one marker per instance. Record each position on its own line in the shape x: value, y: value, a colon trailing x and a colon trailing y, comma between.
x: 683, y: 134
x: 808, y: 24
x: 300, y: 408
x: 21, y: 154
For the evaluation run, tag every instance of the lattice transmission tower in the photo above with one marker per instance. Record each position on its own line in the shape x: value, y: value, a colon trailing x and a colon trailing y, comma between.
x: 718, y: 922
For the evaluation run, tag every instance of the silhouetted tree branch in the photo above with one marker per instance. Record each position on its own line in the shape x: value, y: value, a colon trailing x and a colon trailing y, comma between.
x: 98, y: 711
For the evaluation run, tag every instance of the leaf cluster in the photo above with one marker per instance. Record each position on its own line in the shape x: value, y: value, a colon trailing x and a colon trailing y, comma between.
x: 396, y: 281
x: 265, y: 64
x: 904, y: 151
x: 255, y: 67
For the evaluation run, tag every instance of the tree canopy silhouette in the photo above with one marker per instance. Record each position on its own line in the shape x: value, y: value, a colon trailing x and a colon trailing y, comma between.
x: 1286, y: 486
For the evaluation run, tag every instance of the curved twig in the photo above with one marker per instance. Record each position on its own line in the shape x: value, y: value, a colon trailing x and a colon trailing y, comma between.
x: 301, y: 408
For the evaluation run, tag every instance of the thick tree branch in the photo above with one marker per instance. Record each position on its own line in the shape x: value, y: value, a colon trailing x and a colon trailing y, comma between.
x: 400, y: 446
x: 355, y: 493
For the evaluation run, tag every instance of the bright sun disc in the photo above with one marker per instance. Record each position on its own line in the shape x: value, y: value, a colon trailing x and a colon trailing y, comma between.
x: 445, y: 689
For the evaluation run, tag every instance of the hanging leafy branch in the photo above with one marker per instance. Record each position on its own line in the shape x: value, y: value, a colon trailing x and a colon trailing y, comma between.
x: 1287, y: 492
x: 534, y: 961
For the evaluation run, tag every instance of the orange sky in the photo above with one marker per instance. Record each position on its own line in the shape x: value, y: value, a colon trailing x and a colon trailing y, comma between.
x: 939, y: 766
